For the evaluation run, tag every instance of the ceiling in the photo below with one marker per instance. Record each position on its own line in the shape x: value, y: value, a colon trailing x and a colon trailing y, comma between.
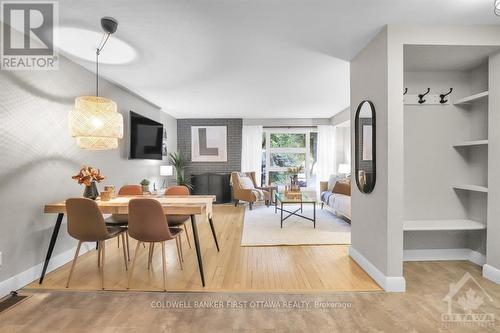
x: 445, y: 57
x: 250, y: 59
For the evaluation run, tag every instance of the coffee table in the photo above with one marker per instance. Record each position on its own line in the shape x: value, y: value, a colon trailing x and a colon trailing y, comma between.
x: 302, y: 198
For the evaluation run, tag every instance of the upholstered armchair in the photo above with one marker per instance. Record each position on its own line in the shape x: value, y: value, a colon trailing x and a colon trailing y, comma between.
x: 245, y: 189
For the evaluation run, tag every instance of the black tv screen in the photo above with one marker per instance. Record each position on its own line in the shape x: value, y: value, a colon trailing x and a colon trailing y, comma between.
x: 146, y: 138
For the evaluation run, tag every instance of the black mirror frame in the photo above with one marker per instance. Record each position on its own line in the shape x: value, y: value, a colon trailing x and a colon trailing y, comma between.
x: 374, y: 145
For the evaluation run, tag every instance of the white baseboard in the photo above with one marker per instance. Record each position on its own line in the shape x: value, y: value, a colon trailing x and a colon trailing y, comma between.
x: 477, y: 257
x: 444, y: 254
x: 491, y: 273
x: 388, y: 283
x: 20, y: 280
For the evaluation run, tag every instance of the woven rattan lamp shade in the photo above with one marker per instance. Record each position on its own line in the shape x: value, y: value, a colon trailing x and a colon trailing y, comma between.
x: 95, y: 123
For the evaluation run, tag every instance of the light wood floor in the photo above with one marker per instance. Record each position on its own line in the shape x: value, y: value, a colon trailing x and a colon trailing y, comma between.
x: 234, y: 268
x: 418, y: 310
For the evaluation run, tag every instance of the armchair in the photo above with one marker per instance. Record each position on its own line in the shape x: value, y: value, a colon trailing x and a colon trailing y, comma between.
x: 244, y: 191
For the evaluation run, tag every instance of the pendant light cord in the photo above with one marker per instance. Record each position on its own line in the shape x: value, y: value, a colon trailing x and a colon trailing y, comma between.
x: 103, y: 42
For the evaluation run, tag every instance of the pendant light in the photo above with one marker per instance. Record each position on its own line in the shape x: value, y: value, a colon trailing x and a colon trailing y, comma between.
x: 496, y: 10
x: 95, y: 122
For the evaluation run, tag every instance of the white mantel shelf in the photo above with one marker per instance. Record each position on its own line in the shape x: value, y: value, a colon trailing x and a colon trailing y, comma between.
x: 456, y: 224
x: 475, y: 188
x: 471, y: 143
x: 472, y: 98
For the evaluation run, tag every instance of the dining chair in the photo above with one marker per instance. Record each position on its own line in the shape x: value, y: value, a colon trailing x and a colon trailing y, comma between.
x: 147, y: 224
x: 86, y: 224
x: 121, y: 220
x: 178, y: 220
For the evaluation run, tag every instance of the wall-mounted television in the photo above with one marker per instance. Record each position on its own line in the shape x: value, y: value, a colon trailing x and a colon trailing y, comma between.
x: 146, y: 138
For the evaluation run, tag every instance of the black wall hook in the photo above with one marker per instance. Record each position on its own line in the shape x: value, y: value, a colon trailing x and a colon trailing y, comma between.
x: 442, y: 96
x: 406, y: 90
x: 421, y: 99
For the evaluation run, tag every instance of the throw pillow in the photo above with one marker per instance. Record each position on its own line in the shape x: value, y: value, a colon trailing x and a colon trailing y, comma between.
x: 342, y: 188
x: 246, y: 183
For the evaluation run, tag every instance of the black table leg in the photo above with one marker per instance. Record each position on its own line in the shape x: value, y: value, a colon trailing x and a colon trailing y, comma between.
x: 51, y: 245
x: 301, y: 211
x: 314, y: 210
x: 213, y: 232
x: 275, y: 204
x: 281, y: 214
x: 198, y: 251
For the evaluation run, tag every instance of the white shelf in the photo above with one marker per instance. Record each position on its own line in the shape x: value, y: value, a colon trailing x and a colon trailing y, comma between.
x: 476, y: 188
x: 471, y: 143
x: 458, y: 224
x: 472, y: 98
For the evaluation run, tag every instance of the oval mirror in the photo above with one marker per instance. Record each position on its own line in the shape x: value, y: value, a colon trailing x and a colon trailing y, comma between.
x: 364, y: 128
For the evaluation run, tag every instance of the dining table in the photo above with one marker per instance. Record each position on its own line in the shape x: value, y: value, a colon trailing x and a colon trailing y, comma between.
x: 188, y: 205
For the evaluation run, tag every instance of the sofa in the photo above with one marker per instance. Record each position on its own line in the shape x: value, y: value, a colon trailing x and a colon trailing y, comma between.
x: 339, y: 203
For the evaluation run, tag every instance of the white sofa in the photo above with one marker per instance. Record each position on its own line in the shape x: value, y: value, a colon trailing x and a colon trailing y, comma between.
x: 340, y: 204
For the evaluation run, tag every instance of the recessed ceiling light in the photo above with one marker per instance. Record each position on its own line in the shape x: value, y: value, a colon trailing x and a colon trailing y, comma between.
x: 82, y: 44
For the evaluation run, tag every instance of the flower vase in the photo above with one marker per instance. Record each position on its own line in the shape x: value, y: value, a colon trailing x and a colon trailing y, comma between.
x: 294, y: 183
x: 91, y: 191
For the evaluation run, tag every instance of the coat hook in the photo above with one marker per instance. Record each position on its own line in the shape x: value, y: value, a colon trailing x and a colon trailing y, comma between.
x: 421, y: 99
x: 442, y: 96
x: 406, y: 90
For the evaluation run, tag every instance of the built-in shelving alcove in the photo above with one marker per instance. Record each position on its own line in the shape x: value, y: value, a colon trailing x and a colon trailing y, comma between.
x: 446, y: 152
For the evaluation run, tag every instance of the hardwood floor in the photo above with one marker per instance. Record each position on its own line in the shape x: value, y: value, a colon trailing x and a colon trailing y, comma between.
x: 419, y: 310
x: 234, y: 268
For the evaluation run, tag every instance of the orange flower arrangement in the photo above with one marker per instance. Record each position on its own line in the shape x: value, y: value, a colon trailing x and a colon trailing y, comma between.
x: 87, y: 175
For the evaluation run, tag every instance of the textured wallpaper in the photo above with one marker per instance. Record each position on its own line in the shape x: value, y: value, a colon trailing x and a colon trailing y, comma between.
x: 38, y: 156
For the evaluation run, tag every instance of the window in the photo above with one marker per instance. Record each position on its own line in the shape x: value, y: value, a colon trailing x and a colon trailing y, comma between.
x: 287, y: 148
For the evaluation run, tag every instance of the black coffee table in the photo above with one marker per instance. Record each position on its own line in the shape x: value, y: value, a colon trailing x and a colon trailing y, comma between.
x: 302, y: 198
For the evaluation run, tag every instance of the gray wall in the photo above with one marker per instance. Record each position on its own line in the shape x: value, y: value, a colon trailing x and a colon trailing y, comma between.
x: 342, y: 145
x: 234, y: 128
x: 341, y: 117
x: 39, y: 156
x: 369, y: 211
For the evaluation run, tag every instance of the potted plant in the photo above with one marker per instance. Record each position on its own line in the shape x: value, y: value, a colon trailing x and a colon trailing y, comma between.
x: 145, y: 185
x: 89, y: 176
x: 180, y: 163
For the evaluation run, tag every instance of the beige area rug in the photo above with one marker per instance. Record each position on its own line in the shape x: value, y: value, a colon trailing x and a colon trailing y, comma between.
x: 262, y: 228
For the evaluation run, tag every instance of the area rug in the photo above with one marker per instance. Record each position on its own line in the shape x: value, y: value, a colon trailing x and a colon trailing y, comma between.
x: 261, y: 227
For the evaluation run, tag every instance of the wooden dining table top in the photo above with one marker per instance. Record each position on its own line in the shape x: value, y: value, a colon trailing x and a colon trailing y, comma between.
x: 172, y: 205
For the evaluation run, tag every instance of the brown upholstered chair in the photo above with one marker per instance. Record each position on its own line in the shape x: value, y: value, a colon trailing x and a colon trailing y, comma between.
x: 147, y: 224
x: 242, y: 193
x: 178, y: 220
x: 122, y: 219
x: 86, y: 224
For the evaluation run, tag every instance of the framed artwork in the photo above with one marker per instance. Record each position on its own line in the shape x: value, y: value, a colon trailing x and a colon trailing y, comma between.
x: 164, y: 150
x: 208, y: 143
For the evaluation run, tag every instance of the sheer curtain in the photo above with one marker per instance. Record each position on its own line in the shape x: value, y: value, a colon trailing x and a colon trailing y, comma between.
x: 251, y: 150
x: 326, y: 153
